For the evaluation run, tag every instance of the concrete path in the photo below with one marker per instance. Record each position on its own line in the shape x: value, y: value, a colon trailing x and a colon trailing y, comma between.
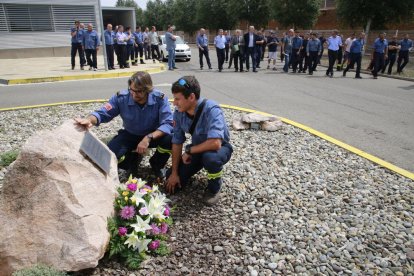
x: 47, y: 69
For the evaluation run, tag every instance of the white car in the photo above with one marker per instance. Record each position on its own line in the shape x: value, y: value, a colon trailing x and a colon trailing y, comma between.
x: 182, y: 50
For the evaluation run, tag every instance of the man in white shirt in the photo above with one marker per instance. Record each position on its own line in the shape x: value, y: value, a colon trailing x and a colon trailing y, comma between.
x: 153, y: 36
x: 220, y: 43
x: 348, y: 43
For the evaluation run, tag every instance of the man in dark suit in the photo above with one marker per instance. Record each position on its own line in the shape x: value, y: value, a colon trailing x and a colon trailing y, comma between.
x: 250, y: 39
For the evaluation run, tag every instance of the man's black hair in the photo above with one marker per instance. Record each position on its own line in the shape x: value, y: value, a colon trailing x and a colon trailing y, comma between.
x: 186, y: 85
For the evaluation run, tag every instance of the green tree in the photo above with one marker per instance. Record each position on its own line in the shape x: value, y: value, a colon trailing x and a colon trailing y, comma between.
x: 374, y: 13
x: 256, y: 12
x: 296, y: 13
x: 132, y: 4
x: 184, y: 18
x: 159, y: 13
x: 215, y: 14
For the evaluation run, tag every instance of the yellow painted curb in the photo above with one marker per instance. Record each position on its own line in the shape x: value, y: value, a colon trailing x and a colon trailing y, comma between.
x: 319, y: 134
x: 159, y: 69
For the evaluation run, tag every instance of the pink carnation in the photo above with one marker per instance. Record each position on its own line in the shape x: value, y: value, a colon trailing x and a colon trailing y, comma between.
x: 155, y: 230
x: 132, y: 187
x: 164, y: 228
x: 122, y: 231
x: 154, y: 245
x: 127, y: 212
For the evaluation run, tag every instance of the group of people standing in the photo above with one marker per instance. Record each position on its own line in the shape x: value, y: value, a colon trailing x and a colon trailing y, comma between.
x: 303, y: 52
x: 121, y: 42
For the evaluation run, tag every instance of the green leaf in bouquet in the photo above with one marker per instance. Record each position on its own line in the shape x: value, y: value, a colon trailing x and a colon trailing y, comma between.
x: 162, y: 250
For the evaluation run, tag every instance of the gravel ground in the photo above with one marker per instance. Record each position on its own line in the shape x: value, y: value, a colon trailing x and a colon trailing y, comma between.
x: 292, y: 204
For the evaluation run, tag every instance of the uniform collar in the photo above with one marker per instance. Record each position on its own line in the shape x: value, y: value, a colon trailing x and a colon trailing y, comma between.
x: 150, y: 101
x: 199, y: 101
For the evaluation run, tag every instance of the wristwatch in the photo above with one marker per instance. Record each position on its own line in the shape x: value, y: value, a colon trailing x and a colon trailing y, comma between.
x: 150, y: 136
x: 188, y: 149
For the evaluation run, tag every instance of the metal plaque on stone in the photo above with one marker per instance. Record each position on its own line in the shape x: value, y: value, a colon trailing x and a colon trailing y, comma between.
x: 96, y: 151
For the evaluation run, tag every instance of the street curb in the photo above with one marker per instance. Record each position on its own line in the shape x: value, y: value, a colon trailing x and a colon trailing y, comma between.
x: 159, y: 69
x: 312, y: 131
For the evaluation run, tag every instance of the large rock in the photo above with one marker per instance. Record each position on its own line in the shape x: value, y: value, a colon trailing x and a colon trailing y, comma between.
x: 55, y: 204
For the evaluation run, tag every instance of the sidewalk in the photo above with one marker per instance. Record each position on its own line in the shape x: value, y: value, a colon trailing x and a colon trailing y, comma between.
x: 50, y: 69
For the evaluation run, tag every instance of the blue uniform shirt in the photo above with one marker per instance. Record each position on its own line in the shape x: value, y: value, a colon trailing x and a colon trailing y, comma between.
x: 406, y: 44
x: 137, y: 120
x: 211, y: 124
x: 90, y: 39
x: 79, y: 35
x: 219, y: 41
x: 109, y: 37
x: 131, y: 40
x: 138, y: 37
x: 296, y: 42
x: 228, y: 38
x: 357, y: 46
x: 202, y: 40
x: 380, y: 46
x: 314, y: 45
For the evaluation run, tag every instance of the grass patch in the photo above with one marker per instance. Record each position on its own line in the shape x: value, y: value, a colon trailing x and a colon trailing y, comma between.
x: 8, y: 157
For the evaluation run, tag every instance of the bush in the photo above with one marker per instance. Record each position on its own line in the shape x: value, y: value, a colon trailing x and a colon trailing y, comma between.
x: 39, y: 270
x: 8, y: 157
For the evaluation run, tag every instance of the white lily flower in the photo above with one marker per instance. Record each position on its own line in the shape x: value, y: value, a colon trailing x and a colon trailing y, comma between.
x: 143, y: 245
x: 138, y: 198
x: 132, y: 240
x: 137, y: 243
x: 141, y: 225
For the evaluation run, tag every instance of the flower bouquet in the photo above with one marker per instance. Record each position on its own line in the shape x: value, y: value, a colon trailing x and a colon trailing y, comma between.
x: 141, y: 223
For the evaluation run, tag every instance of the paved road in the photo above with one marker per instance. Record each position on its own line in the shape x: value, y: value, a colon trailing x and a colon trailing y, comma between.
x: 376, y: 116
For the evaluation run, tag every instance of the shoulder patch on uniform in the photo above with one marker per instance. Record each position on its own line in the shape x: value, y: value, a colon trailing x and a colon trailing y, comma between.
x: 107, y: 106
x: 162, y: 95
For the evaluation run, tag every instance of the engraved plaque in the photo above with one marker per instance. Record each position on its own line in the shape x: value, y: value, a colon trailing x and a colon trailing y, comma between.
x: 96, y: 151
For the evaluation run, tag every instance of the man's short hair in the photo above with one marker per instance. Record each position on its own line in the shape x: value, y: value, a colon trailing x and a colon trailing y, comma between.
x: 186, y: 85
x: 141, y: 79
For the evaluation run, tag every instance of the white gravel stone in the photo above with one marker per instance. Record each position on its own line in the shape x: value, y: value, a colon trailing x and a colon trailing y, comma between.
x: 288, y: 197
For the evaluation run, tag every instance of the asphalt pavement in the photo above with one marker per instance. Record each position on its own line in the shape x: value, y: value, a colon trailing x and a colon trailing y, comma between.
x: 376, y: 116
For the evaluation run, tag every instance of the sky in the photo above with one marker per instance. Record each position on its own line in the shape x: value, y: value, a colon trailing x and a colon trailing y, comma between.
x: 111, y: 3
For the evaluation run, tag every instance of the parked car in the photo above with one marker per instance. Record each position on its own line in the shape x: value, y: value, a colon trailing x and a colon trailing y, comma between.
x: 182, y: 50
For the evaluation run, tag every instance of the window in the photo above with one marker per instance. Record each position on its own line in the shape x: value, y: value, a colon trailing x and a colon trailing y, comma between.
x: 43, y: 18
x: 23, y: 18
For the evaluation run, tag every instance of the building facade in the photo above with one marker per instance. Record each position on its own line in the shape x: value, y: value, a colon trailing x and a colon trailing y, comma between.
x: 31, y: 28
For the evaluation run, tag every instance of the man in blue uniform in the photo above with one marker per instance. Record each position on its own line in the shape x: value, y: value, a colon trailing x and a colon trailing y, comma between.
x: 202, y: 44
x: 313, y: 48
x: 405, y: 46
x: 296, y: 46
x: 109, y: 45
x: 76, y: 33
x: 91, y: 44
x: 147, y: 122
x: 130, y: 46
x: 139, y: 45
x: 170, y: 47
x: 227, y: 44
x: 355, y: 55
x: 210, y: 147
x: 380, y: 53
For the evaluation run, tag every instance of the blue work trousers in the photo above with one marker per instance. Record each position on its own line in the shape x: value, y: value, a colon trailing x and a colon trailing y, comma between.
x: 287, y: 60
x: 211, y: 161
x: 124, y: 145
